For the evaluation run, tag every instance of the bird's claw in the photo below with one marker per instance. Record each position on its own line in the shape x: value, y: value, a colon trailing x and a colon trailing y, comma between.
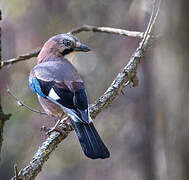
x: 62, y: 126
x: 132, y: 80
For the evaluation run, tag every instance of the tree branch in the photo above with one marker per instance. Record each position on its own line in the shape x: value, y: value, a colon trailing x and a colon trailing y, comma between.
x: 128, y: 74
x: 3, y: 117
x: 108, y: 30
x: 87, y: 28
x: 19, y: 58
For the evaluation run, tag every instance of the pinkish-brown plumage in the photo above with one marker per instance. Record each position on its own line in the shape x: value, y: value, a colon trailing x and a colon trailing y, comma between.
x: 50, y: 48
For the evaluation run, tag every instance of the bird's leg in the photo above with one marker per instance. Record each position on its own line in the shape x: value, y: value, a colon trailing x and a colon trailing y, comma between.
x: 56, y: 127
x: 62, y: 125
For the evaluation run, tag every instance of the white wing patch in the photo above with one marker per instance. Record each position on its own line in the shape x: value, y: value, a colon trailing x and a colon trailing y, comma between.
x: 68, y: 111
x: 53, y: 94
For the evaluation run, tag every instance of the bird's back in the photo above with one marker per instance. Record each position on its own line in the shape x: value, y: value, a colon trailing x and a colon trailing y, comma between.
x: 57, y: 69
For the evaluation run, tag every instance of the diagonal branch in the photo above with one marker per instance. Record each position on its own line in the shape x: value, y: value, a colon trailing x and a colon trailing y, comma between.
x: 128, y: 74
x: 84, y: 28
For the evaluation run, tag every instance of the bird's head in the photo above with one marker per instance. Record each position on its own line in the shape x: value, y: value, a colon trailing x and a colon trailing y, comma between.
x: 62, y: 44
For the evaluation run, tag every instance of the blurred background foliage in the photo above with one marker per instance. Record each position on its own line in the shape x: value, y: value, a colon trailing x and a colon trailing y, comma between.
x: 145, y: 129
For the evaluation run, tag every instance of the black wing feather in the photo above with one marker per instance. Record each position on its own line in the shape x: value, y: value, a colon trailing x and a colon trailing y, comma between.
x: 73, y: 100
x: 46, y: 86
x: 66, y: 97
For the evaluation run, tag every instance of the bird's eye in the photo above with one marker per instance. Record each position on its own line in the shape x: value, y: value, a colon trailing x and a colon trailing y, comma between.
x: 67, y: 43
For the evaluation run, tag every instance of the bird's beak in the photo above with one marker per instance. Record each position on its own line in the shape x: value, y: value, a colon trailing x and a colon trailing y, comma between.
x: 81, y: 47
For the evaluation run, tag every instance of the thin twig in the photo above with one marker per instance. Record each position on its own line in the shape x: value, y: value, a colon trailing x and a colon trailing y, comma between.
x: 20, y: 103
x: 129, y: 72
x: 152, y: 20
x: 16, y: 172
x: 108, y: 30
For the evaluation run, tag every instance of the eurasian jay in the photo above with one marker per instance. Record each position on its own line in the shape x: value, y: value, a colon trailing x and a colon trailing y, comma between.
x: 60, y: 90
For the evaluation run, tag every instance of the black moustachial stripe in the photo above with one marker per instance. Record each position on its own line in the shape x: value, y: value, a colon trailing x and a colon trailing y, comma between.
x: 67, y: 51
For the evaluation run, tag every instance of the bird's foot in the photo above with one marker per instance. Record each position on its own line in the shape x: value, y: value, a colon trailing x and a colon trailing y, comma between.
x: 62, y: 126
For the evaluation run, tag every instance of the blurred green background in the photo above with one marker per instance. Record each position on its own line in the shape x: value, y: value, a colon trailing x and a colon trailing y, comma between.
x: 146, y: 129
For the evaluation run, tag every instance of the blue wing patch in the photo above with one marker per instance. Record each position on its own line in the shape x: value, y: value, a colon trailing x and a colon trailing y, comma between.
x: 35, y: 87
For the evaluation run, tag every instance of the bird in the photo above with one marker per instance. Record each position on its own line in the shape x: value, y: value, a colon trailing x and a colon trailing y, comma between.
x: 61, y: 90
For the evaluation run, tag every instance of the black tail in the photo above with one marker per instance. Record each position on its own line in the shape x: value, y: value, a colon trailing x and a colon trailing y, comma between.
x: 90, y: 141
